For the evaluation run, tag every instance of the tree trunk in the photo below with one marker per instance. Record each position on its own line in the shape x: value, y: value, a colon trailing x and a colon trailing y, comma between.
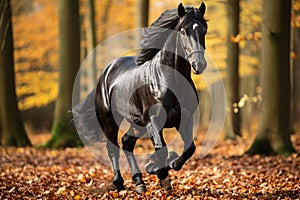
x: 104, y: 19
x: 274, y: 129
x: 0, y: 125
x: 91, y: 44
x: 232, y: 78
x: 63, y: 131
x: 142, y: 17
x: 296, y: 74
x: 103, y: 32
x: 12, y: 126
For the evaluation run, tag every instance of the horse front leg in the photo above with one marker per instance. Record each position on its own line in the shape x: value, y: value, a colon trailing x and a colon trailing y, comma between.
x: 157, y: 162
x: 159, y: 157
x: 189, y: 146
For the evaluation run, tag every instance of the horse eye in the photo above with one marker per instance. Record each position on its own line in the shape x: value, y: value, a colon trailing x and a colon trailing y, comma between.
x: 182, y: 31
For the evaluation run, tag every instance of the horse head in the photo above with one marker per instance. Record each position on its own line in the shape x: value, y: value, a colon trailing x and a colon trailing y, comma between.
x: 192, y: 30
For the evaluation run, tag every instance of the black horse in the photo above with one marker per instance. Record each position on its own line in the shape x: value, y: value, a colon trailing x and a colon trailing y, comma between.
x: 147, y: 91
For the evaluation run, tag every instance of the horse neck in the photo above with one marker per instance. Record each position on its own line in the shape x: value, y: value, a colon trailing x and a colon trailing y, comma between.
x: 170, y: 56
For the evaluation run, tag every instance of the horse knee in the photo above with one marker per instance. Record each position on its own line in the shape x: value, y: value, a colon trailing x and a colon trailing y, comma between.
x: 128, y: 142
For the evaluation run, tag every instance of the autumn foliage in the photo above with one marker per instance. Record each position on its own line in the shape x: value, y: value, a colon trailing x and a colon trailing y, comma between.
x: 35, y: 24
x: 76, y: 174
x: 36, y: 41
x: 223, y: 174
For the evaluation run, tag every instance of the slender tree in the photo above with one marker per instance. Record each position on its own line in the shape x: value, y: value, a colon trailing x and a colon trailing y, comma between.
x: 105, y: 18
x: 274, y: 129
x: 0, y: 126
x: 142, y: 16
x: 296, y: 70
x: 12, y: 126
x: 91, y: 44
x: 63, y: 131
x: 232, y: 76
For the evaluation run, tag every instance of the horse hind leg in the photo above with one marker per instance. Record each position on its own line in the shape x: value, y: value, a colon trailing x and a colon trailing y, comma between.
x: 113, y: 150
x: 128, y: 141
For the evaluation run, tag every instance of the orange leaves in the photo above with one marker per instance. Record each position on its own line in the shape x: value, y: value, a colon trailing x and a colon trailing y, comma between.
x: 296, y: 21
x: 75, y: 174
x: 293, y: 55
x: 256, y: 36
x: 235, y: 39
x: 296, y: 5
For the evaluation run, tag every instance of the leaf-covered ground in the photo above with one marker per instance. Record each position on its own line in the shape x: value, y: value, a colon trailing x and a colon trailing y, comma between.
x: 223, y: 174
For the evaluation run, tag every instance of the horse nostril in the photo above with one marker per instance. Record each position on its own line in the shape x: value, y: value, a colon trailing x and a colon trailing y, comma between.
x: 194, y: 64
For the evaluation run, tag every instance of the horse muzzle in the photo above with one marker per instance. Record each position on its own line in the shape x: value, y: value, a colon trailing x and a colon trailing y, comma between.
x: 197, y: 61
x: 199, y: 66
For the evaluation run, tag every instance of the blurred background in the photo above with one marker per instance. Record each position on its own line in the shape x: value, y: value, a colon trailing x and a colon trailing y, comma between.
x: 36, y: 51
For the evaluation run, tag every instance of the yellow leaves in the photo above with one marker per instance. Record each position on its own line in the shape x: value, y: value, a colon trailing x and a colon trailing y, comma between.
x: 39, y: 88
x: 77, y: 197
x: 36, y: 50
x: 36, y: 40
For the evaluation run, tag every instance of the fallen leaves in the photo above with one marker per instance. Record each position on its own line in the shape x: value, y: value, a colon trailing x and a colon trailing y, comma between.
x: 223, y: 174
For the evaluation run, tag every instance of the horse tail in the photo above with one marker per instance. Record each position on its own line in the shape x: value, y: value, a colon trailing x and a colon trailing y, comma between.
x: 86, y: 122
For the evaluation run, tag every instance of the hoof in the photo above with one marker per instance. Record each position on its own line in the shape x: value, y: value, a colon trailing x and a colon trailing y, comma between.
x: 166, y: 184
x: 176, y: 164
x: 141, y: 188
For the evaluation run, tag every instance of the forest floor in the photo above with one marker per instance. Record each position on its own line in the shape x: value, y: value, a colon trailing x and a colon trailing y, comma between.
x: 31, y: 173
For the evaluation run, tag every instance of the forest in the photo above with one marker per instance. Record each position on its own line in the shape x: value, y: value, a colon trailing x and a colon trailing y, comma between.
x: 246, y: 128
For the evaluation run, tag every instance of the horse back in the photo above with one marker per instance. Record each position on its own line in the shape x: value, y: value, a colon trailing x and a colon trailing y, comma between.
x: 109, y: 79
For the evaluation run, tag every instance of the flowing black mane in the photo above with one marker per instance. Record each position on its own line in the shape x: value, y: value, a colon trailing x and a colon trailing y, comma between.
x: 156, y: 35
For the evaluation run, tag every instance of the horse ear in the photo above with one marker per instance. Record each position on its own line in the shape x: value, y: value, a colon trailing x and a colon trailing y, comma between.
x: 202, y: 8
x: 181, y: 11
